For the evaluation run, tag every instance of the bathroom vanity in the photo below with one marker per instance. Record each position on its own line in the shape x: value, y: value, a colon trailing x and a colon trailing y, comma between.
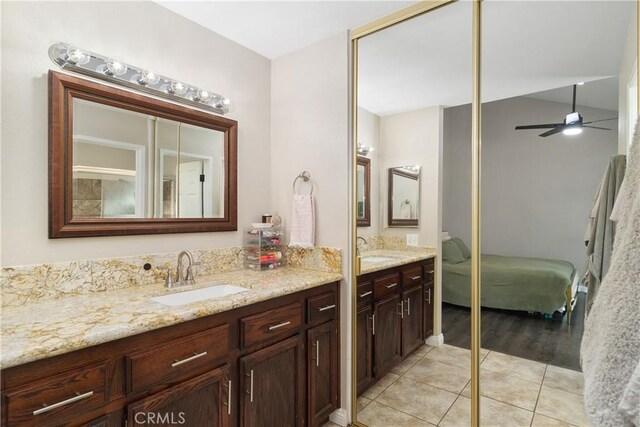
x: 273, y: 362
x: 394, y: 313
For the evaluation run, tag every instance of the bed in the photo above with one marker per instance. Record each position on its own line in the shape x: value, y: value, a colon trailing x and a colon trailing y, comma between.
x: 512, y: 283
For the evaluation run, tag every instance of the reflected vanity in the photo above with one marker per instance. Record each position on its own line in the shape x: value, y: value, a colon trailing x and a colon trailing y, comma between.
x: 123, y: 163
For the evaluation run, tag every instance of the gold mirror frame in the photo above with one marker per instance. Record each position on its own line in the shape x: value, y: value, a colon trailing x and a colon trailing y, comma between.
x: 402, y: 15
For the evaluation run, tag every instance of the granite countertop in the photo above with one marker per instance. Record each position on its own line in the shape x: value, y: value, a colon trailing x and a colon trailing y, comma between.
x: 48, y: 328
x: 397, y: 257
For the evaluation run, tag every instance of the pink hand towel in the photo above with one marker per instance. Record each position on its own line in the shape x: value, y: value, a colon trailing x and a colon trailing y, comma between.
x: 303, y: 222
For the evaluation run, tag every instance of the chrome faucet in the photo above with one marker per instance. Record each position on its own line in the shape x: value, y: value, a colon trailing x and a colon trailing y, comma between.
x: 181, y: 278
x: 358, y: 246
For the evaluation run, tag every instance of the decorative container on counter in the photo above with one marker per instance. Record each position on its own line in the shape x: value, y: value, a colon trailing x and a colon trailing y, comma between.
x: 264, y: 247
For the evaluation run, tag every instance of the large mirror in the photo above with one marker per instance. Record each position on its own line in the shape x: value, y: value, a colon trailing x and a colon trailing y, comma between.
x: 363, y: 191
x: 127, y: 164
x: 404, y: 196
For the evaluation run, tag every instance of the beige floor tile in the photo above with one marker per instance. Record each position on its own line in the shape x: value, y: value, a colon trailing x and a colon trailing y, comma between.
x: 492, y: 413
x: 417, y: 399
x: 540, y: 420
x: 455, y: 356
x: 441, y: 375
x: 379, y: 415
x: 362, y: 403
x: 423, y: 350
x: 562, y: 405
x: 507, y: 389
x: 407, y: 363
x: 514, y: 366
x: 564, y: 379
x: 384, y: 382
x: 331, y: 424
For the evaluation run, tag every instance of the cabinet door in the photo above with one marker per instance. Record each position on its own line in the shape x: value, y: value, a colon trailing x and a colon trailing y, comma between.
x: 113, y: 419
x: 412, y: 320
x: 428, y: 309
x: 386, y: 340
x: 201, y: 401
x: 272, y: 385
x: 364, y: 356
x: 322, y: 372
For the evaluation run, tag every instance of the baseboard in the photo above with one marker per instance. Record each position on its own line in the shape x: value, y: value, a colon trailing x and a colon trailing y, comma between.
x: 339, y: 416
x: 435, y: 340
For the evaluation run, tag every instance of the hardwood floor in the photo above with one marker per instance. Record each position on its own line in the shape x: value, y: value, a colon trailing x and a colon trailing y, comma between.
x: 520, y: 334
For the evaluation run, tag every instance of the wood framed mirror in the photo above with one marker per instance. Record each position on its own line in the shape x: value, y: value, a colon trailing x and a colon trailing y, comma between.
x: 404, y: 196
x: 121, y: 163
x: 363, y: 166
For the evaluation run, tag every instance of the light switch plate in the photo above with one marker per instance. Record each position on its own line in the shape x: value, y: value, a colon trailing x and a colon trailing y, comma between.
x: 412, y: 240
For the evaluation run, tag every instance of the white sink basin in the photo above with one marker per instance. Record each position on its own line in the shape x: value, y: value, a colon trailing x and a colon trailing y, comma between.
x: 376, y: 259
x: 188, y: 297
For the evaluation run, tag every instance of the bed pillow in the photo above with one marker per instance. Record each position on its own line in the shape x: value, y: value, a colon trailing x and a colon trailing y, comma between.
x: 451, y: 252
x: 465, y: 250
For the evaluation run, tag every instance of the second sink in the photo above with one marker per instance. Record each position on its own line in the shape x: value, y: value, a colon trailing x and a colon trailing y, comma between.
x: 188, y: 297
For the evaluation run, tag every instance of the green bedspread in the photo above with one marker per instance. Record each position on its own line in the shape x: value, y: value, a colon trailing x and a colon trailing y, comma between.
x: 511, y: 283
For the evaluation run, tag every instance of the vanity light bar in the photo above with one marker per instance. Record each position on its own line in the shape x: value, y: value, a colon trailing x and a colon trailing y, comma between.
x: 91, y: 64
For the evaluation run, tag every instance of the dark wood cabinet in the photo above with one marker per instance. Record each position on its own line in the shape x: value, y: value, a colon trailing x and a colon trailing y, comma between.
x: 322, y: 372
x: 201, y: 401
x: 364, y: 356
x: 386, y: 318
x: 273, y: 363
x: 271, y: 385
x: 428, y: 309
x: 412, y: 320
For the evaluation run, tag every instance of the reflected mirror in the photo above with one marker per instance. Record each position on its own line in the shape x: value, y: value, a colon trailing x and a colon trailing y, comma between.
x: 404, y: 196
x: 137, y: 165
x: 363, y: 180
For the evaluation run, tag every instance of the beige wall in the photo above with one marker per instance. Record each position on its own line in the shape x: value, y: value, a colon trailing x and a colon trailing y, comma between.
x: 310, y: 131
x: 628, y: 66
x: 537, y: 193
x: 144, y: 34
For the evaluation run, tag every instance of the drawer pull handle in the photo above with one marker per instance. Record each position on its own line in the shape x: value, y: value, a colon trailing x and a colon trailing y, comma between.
x: 250, y: 393
x: 188, y: 359
x: 327, y: 307
x: 373, y: 324
x: 408, y: 306
x: 392, y: 285
x: 429, y: 295
x: 279, y: 325
x: 317, y: 353
x: 366, y: 294
x: 401, y: 303
x: 416, y: 277
x: 229, y: 398
x: 76, y: 398
x: 430, y: 272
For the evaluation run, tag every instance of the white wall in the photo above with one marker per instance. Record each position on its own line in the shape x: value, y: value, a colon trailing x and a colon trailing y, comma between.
x: 628, y: 67
x: 413, y: 138
x: 310, y: 131
x: 146, y: 35
x: 537, y: 193
x: 369, y: 134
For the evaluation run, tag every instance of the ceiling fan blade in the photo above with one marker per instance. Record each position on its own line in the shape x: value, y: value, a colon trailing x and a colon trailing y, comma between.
x: 602, y: 120
x: 541, y: 126
x: 553, y: 131
x: 595, y: 127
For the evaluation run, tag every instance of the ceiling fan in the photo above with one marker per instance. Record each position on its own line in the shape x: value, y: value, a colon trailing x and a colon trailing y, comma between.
x: 571, y: 125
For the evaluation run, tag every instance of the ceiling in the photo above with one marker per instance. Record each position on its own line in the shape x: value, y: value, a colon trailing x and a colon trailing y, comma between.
x: 597, y: 94
x: 528, y: 47
x: 275, y: 28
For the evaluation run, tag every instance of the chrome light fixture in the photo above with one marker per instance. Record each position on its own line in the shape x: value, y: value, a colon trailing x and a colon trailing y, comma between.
x: 363, y: 150
x: 92, y: 64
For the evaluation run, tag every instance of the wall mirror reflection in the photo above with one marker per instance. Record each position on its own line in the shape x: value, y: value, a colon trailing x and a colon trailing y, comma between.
x: 363, y: 191
x: 137, y: 165
x: 404, y: 196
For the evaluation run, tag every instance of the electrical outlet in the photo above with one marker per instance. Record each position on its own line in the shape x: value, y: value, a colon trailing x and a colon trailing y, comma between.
x: 412, y: 240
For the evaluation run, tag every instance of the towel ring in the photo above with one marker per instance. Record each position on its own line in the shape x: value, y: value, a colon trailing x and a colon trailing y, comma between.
x: 305, y: 176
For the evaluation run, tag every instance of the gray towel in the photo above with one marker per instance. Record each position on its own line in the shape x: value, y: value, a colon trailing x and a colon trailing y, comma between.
x: 610, y: 350
x: 601, y: 230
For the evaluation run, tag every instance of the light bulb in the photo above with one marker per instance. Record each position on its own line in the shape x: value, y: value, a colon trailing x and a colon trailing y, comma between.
x: 572, y: 131
x: 200, y: 95
x: 220, y: 102
x: 145, y: 78
x: 174, y: 88
x: 76, y: 56
x: 112, y: 68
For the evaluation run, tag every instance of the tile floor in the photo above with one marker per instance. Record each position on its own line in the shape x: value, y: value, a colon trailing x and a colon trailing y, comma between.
x: 431, y: 387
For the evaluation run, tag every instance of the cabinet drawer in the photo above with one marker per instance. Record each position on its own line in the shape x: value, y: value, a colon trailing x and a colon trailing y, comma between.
x: 270, y: 324
x: 386, y: 285
x: 365, y: 292
x: 58, y: 399
x: 322, y: 308
x: 429, y: 269
x: 177, y: 359
x: 411, y: 277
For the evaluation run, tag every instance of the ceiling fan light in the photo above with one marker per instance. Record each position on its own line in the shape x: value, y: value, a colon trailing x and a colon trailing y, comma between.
x: 572, y: 130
